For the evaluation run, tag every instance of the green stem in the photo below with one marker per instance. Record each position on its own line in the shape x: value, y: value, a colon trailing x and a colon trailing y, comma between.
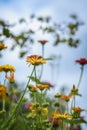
x: 52, y: 121
x: 18, y: 103
x: 3, y: 105
x: 80, y: 78
x: 35, y: 75
x: 79, y: 82
x: 5, y: 78
x: 67, y: 107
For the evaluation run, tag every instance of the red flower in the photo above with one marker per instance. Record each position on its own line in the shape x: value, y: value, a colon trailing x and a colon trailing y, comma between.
x: 42, y: 41
x: 81, y: 61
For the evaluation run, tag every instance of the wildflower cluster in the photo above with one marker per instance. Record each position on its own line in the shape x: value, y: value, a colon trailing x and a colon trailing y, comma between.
x: 37, y: 112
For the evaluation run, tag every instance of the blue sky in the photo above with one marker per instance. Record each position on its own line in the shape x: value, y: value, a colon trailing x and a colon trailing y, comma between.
x: 59, y: 10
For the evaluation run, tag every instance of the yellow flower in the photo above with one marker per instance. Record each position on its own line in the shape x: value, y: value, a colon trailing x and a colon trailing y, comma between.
x: 3, y: 92
x: 44, y: 111
x: 35, y: 60
x: 58, y: 115
x: 11, y: 77
x: 7, y: 68
x: 42, y: 86
x: 2, y: 46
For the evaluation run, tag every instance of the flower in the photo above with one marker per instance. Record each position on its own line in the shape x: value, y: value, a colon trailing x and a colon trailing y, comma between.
x: 35, y: 60
x: 7, y: 68
x: 49, y: 84
x: 74, y: 90
x: 77, y: 127
x: 32, y: 88
x: 58, y: 95
x: 43, y: 42
x: 29, y: 106
x: 54, y: 121
x: 3, y: 91
x: 81, y: 61
x: 2, y: 46
x: 76, y: 109
x: 44, y: 111
x: 42, y: 86
x: 58, y: 115
x: 66, y: 97
x: 11, y: 77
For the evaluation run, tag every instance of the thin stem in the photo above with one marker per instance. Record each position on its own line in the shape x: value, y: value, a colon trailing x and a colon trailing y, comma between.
x: 67, y: 107
x: 52, y: 120
x: 35, y: 75
x: 79, y: 82
x: 74, y: 100
x: 5, y: 78
x: 80, y: 78
x: 42, y: 64
x: 19, y: 102
x: 3, y: 105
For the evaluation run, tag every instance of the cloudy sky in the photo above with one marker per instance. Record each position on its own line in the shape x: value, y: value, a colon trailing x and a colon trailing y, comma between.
x: 59, y: 10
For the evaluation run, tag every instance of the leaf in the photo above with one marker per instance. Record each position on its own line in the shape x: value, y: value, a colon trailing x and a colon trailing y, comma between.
x: 6, y: 32
x: 48, y: 19
x: 40, y: 19
x: 35, y: 79
x: 57, y: 41
x: 2, y: 23
x: 78, y: 121
x: 48, y: 58
x: 22, y: 54
x: 22, y: 20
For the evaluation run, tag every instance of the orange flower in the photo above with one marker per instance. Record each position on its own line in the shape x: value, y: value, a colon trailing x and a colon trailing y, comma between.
x: 35, y: 60
x: 66, y: 97
x: 2, y: 46
x: 11, y: 77
x: 7, y: 68
x: 42, y: 86
x: 76, y: 109
x: 43, y: 42
x: 3, y: 92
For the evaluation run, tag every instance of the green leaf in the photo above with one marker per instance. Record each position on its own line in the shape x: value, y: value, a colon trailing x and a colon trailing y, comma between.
x: 6, y: 32
x: 48, y: 59
x: 57, y: 40
x: 35, y: 79
x: 78, y: 121
x: 22, y: 54
x: 40, y: 19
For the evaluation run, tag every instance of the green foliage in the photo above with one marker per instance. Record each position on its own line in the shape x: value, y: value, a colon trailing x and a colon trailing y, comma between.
x: 24, y: 38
